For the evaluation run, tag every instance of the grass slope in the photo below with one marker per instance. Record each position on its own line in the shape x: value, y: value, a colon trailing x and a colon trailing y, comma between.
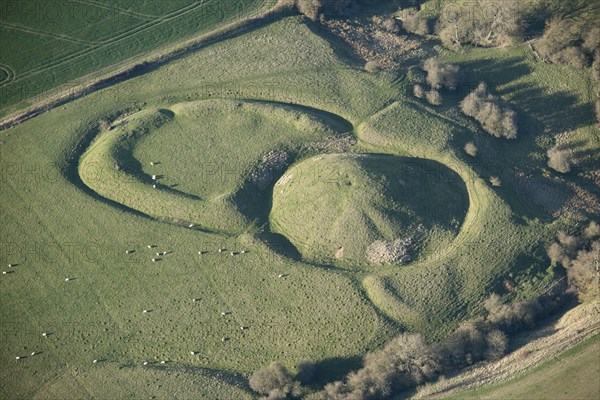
x: 350, y: 201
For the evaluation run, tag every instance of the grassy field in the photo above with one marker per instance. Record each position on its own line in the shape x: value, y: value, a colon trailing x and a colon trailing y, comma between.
x: 575, y: 374
x: 47, y: 44
x: 76, y: 196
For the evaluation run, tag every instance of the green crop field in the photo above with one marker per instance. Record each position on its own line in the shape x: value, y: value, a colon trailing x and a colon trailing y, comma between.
x: 575, y: 374
x: 46, y: 44
x: 157, y: 265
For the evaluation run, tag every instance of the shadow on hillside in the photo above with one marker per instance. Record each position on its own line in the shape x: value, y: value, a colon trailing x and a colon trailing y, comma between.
x: 280, y: 245
x: 335, y: 369
x: 539, y: 112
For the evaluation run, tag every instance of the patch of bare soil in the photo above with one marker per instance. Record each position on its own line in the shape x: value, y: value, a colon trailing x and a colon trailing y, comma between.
x: 535, y: 347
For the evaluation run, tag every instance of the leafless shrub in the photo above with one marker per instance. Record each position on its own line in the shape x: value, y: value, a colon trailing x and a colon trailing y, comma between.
x: 559, y: 159
x: 592, y: 231
x: 491, y: 112
x: 418, y: 91
x: 414, y: 22
x: 583, y: 272
x: 471, y: 149
x: 274, y: 381
x: 372, y: 66
x: 442, y: 75
x: 390, y: 25
x: 495, y: 23
x: 434, y: 97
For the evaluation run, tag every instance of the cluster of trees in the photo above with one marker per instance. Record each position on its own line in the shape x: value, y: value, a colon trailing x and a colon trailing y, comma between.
x: 569, y: 41
x: 580, y: 256
x: 439, y: 75
x: 481, y: 23
x: 491, y: 112
x: 407, y: 360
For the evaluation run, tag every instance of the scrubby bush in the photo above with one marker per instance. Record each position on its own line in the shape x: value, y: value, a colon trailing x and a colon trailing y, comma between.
x: 434, y: 97
x: 404, y: 362
x: 418, y: 91
x: 442, y: 75
x: 583, y: 272
x: 414, y: 22
x: 495, y: 181
x: 491, y: 112
x: 390, y: 25
x: 592, y: 231
x: 371, y: 66
x: 580, y: 256
x: 569, y: 41
x: 471, y: 149
x: 274, y: 381
x: 559, y: 159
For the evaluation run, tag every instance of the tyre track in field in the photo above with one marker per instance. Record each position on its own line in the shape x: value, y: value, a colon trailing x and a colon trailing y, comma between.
x: 109, y: 7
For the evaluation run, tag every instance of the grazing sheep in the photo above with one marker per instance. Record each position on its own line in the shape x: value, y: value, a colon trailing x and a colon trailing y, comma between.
x: 127, y: 251
x: 4, y: 272
x: 243, y: 251
x: 222, y: 250
x: 150, y: 246
x: 233, y: 253
x: 33, y: 353
x: 95, y: 361
x: 191, y: 225
x: 153, y: 186
x: 154, y: 177
x: 195, y: 300
x: 243, y: 328
x: 154, y: 260
x: 145, y: 311
x: 152, y: 163
x: 193, y: 353
x: 17, y: 358
x: 280, y: 276
x: 44, y: 334
x: 10, y: 265
x: 67, y: 279
x: 224, y: 339
x: 145, y: 363
x: 163, y: 362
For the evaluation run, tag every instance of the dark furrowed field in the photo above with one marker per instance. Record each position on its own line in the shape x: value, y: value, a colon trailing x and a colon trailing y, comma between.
x: 46, y: 44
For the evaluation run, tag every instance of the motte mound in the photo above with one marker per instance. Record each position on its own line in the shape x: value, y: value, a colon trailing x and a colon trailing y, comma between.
x: 368, y: 208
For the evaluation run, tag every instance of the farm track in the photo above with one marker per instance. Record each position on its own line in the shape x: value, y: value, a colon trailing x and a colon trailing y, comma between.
x: 117, y: 9
x: 39, y: 32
